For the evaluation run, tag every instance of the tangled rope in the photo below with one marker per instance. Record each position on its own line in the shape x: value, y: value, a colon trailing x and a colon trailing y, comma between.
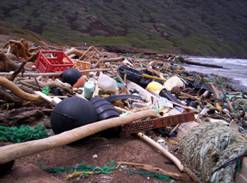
x: 213, y: 151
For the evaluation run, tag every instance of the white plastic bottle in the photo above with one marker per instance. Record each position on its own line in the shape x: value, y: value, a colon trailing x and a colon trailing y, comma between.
x: 106, y: 83
x: 89, y: 88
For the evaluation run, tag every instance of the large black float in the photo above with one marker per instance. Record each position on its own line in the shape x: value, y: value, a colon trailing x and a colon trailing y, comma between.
x: 70, y: 76
x: 71, y: 113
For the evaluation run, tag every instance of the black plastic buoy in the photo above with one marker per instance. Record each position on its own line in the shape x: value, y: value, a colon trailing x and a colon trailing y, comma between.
x: 71, y: 113
x: 6, y: 167
x: 133, y: 75
x: 70, y: 76
x: 105, y: 110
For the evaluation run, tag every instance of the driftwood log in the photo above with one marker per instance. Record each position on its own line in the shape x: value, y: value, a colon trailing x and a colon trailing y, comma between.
x: 17, y: 71
x: 116, y: 59
x: 14, y: 151
x: 155, y: 169
x: 50, y: 74
x: 4, y: 82
x: 162, y: 150
x: 80, y: 53
x: 200, y: 64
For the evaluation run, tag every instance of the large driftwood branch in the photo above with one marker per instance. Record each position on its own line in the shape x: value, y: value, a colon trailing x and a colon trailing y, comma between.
x: 17, y: 71
x: 4, y: 82
x: 34, y: 74
x: 162, y: 150
x: 14, y: 151
x: 80, y: 53
x: 152, y: 168
x: 116, y: 59
x: 86, y: 53
x: 201, y: 64
x: 74, y: 51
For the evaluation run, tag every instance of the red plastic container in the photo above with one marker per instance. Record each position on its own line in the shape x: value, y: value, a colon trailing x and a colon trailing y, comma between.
x: 52, y: 61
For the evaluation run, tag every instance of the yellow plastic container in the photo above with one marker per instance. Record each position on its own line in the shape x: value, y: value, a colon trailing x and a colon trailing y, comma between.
x: 154, y: 87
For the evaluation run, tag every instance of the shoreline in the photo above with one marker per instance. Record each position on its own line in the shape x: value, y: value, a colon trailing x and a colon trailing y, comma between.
x: 219, y: 65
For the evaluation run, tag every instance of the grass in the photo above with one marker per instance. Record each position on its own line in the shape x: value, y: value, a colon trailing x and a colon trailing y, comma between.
x: 194, y: 44
x: 130, y: 40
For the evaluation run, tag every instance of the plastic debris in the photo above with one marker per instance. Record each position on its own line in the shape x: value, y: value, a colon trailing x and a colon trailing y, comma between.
x: 172, y: 82
x: 106, y: 83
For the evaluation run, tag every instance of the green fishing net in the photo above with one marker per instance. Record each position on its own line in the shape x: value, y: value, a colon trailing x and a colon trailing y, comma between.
x: 151, y: 175
x: 108, y: 168
x: 22, y: 133
x: 46, y: 90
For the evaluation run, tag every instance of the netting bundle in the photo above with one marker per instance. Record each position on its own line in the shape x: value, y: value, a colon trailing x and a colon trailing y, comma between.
x: 213, y: 151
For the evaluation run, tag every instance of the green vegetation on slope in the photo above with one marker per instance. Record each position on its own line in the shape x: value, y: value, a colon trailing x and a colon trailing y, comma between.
x: 190, y: 26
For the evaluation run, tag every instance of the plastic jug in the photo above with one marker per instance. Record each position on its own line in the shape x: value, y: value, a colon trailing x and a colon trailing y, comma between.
x: 106, y: 83
x: 172, y: 82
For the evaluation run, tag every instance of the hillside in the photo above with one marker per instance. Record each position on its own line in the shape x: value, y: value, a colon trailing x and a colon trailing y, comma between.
x: 8, y: 31
x: 188, y: 26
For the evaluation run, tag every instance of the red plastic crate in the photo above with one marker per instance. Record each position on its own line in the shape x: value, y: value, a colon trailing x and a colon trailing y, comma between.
x: 52, y: 61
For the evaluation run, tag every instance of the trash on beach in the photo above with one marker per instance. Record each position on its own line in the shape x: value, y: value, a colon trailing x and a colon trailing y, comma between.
x: 81, y: 93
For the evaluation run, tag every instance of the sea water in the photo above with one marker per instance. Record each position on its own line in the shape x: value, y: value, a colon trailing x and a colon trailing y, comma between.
x: 235, y: 69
